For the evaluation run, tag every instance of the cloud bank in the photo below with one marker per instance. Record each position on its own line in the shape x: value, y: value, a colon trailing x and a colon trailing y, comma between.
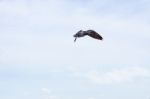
x: 115, y: 76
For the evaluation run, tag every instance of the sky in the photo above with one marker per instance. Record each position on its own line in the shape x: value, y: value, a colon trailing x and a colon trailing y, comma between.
x: 39, y: 60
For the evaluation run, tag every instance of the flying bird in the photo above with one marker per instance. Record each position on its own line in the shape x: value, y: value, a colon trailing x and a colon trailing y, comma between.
x: 90, y: 33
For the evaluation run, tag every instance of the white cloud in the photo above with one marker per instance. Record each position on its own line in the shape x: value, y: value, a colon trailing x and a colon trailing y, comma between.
x: 45, y: 90
x: 114, y: 76
x: 46, y: 94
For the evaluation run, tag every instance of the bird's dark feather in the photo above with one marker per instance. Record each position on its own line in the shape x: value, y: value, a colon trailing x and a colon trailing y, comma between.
x: 94, y: 34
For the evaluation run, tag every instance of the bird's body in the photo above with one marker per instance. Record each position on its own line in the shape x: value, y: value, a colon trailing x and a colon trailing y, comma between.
x: 90, y: 33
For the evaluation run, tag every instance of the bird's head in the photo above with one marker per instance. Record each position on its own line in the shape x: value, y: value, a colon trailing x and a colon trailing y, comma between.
x: 77, y: 34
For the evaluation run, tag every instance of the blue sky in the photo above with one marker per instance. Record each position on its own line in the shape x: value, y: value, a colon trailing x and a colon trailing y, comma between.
x: 39, y: 60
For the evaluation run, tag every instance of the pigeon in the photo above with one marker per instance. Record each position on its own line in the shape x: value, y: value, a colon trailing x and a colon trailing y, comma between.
x: 90, y: 33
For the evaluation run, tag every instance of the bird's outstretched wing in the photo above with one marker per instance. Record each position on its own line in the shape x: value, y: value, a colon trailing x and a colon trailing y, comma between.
x: 94, y: 34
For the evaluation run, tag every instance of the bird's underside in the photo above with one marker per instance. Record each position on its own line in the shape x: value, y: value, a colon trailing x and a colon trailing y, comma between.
x: 90, y: 33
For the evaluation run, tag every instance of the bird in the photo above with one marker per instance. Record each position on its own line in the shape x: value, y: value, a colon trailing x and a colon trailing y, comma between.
x: 90, y: 33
